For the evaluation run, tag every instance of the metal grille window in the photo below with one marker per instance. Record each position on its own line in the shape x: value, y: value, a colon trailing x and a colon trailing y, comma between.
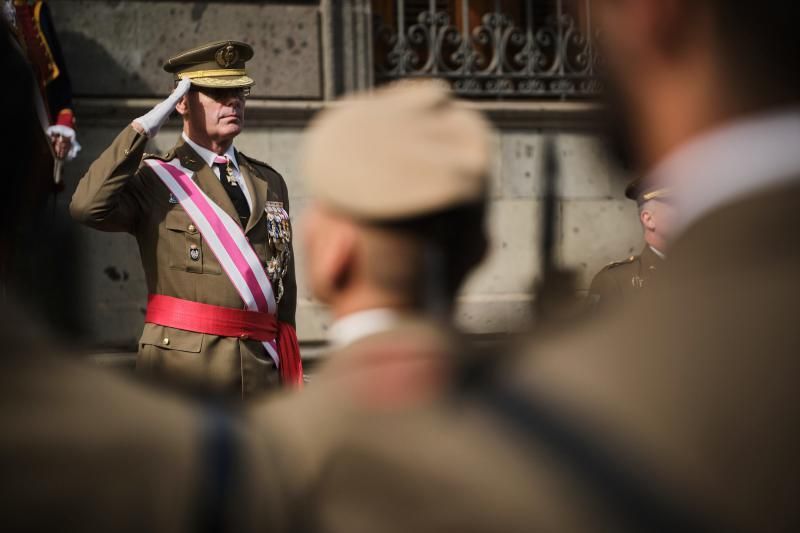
x: 488, y: 48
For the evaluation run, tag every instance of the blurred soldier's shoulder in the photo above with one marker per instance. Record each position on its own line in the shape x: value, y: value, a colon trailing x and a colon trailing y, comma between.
x: 99, y: 443
x: 611, y: 279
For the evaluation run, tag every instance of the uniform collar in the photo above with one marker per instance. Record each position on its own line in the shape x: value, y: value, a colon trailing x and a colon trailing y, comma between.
x: 208, y: 156
x: 661, y: 255
x: 357, y: 326
x: 730, y: 162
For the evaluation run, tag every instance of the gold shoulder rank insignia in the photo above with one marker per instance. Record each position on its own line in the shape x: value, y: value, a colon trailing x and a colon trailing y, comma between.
x: 613, y: 264
x: 163, y: 157
x: 255, y: 161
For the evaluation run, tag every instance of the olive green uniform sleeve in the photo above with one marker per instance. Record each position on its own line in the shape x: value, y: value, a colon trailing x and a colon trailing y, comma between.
x: 106, y: 197
x: 604, y: 289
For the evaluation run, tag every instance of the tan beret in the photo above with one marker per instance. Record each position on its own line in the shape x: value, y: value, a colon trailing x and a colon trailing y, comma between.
x: 402, y: 151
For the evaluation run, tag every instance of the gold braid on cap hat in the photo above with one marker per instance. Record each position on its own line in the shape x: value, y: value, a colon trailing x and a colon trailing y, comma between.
x: 655, y: 194
x: 212, y: 73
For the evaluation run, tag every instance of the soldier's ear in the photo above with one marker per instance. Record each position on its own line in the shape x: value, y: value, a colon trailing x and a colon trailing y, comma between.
x: 342, y: 257
x: 330, y: 248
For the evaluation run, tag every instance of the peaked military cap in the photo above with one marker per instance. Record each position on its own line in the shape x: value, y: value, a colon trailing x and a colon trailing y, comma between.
x: 217, y: 64
x: 643, y: 190
x: 403, y: 151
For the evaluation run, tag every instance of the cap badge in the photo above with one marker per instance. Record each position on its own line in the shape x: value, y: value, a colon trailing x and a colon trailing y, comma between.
x: 227, y: 56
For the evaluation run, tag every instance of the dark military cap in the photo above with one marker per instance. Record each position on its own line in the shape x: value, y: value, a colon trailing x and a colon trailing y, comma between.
x: 643, y: 190
x: 217, y: 64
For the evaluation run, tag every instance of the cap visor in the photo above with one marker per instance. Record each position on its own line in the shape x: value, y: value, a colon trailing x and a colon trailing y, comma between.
x: 224, y: 82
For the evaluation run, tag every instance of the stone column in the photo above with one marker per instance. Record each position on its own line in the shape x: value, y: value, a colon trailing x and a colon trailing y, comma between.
x: 347, y: 46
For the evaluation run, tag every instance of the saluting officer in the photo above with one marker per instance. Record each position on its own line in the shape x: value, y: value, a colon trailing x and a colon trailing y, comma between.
x: 213, y: 230
x: 622, y: 281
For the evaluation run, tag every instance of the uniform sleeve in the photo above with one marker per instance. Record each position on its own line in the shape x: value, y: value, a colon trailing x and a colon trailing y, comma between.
x: 604, y: 290
x: 105, y: 198
x: 288, y: 304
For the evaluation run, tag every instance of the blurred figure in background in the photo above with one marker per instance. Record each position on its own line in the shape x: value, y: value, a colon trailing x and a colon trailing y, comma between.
x: 37, y: 39
x: 678, y: 412
x: 40, y: 272
x: 622, y: 281
x: 399, y: 182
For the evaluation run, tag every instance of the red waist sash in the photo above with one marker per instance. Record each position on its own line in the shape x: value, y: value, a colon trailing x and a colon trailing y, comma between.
x: 228, y: 322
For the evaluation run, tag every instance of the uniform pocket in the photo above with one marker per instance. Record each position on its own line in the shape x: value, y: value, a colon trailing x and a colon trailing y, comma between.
x: 186, y: 251
x: 171, y: 338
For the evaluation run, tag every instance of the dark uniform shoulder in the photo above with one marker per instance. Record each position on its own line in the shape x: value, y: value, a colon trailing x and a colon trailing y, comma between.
x: 608, y: 282
x: 256, y: 162
x: 616, y: 264
x: 166, y: 156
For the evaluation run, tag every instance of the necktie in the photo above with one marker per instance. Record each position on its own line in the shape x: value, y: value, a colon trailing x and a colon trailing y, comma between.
x: 235, y: 193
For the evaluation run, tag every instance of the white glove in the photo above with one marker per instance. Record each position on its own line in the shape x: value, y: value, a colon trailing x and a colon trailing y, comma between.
x: 152, y: 121
x: 69, y: 133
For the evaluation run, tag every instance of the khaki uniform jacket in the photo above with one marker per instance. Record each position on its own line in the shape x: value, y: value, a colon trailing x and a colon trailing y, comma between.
x: 120, y: 193
x: 86, y: 450
x: 621, y: 282
x: 693, y: 388
x: 299, y: 433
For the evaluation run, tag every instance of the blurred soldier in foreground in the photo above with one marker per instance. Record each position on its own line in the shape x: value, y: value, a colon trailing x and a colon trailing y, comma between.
x: 622, y: 281
x: 82, y: 450
x: 399, y: 180
x: 213, y: 231
x: 680, y: 412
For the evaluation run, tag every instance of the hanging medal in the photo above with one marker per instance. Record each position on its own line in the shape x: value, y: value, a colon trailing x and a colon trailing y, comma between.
x: 280, y: 236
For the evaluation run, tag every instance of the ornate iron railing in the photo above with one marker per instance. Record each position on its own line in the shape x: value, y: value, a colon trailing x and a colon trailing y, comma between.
x: 489, y: 48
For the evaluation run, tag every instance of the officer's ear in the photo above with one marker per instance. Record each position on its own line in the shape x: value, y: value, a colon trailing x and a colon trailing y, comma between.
x: 182, y: 107
x: 648, y: 222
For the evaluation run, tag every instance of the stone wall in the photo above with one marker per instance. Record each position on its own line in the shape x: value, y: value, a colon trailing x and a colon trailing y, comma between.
x: 118, y: 48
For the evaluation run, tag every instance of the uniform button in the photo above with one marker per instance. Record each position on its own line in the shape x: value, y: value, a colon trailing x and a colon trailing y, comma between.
x: 166, y: 340
x: 127, y: 152
x: 244, y: 336
x: 191, y: 228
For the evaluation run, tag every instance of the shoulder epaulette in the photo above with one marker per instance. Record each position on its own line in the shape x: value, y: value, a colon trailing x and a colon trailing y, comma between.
x: 256, y: 161
x: 169, y: 156
x: 613, y: 264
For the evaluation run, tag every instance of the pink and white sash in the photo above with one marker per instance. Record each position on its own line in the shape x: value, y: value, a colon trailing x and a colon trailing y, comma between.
x: 225, y: 238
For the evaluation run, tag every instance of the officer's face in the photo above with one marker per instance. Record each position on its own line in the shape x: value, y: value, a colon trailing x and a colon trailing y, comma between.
x: 658, y: 220
x: 664, y: 213
x: 219, y: 112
